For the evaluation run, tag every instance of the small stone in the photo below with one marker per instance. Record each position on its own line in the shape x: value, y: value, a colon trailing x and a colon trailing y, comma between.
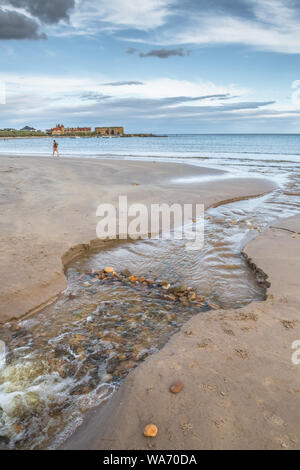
x: 166, y: 287
x: 15, y: 326
x: 177, y: 387
x: 213, y: 306
x: 71, y: 296
x: 107, y: 378
x: 133, y: 279
x: 170, y: 297
x: 150, y: 430
x: 192, y: 296
x: 18, y: 428
x: 188, y: 333
x: 126, y: 272
x: 109, y: 270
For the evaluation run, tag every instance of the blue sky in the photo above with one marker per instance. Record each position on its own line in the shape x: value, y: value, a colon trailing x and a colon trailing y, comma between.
x: 189, y: 66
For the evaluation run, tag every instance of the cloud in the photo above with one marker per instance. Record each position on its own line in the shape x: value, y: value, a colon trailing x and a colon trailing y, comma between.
x: 160, y: 53
x: 131, y: 50
x: 40, y: 99
x: 47, y: 11
x: 116, y: 15
x: 262, y: 24
x: 165, y: 53
x: 122, y: 83
x: 169, y: 25
x: 20, y: 19
x: 14, y: 25
x: 271, y: 25
x: 93, y: 96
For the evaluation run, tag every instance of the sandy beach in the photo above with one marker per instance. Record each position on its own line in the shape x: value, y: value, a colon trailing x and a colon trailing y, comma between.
x: 240, y: 386
x: 149, y: 228
x: 49, y: 214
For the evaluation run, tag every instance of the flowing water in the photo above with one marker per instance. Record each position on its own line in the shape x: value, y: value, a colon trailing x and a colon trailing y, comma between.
x: 75, y: 353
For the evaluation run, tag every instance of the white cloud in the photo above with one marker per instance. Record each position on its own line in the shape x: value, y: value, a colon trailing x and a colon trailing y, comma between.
x: 228, y: 30
x: 84, y: 100
x: 166, y: 88
x: 92, y: 17
x: 47, y: 95
x: 273, y: 25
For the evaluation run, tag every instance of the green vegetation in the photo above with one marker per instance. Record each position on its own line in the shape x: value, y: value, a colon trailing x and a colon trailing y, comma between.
x: 15, y: 133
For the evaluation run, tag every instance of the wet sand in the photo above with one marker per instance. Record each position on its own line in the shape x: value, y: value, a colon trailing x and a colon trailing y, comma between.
x: 48, y: 213
x: 241, y: 388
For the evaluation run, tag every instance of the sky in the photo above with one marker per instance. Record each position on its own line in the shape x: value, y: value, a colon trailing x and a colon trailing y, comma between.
x: 162, y: 66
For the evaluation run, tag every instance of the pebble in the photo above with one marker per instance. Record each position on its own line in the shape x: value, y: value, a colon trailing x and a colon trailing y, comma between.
x: 213, y: 306
x: 193, y: 296
x: 150, y: 430
x: 177, y: 387
x: 109, y: 270
x: 15, y: 326
x: 181, y: 292
x: 126, y: 273
x: 71, y: 296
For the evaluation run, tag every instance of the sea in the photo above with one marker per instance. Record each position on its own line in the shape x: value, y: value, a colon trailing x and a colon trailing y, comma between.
x: 212, y: 147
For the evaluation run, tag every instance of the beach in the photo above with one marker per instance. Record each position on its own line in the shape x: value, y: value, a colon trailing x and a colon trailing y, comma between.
x: 50, y: 214
x: 240, y: 385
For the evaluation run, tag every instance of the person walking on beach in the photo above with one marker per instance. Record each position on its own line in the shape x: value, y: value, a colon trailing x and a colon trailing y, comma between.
x: 55, y: 148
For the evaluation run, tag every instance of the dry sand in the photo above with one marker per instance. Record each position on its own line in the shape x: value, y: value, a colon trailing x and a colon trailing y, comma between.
x: 48, y: 214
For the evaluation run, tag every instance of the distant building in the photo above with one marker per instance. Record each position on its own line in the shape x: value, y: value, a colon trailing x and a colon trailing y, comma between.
x: 78, y: 130
x: 109, y: 131
x: 60, y: 129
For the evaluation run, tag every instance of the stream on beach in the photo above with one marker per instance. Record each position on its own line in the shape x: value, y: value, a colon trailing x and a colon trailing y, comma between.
x: 75, y: 353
